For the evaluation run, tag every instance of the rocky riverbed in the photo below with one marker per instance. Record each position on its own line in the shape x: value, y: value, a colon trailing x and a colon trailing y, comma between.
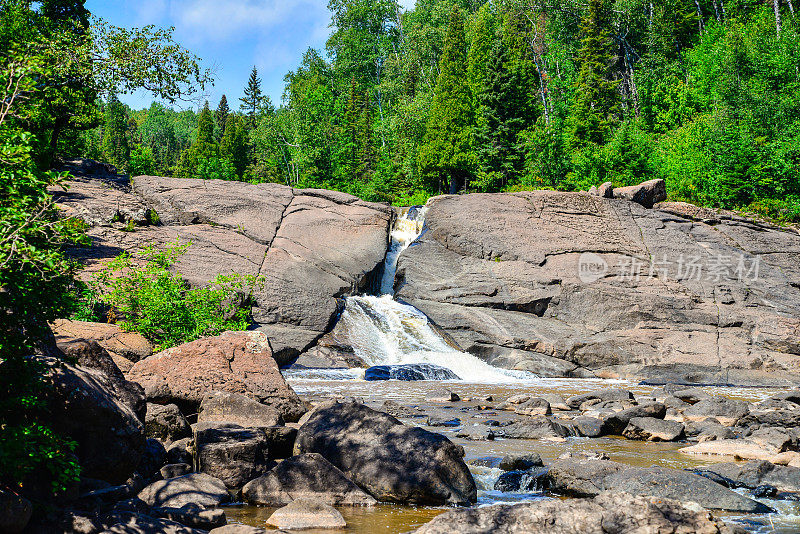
x: 554, y: 376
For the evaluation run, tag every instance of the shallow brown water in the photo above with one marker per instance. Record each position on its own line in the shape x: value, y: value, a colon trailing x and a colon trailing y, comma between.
x: 392, y: 519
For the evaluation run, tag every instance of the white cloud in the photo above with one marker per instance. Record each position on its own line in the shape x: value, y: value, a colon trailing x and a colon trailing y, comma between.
x: 234, y: 19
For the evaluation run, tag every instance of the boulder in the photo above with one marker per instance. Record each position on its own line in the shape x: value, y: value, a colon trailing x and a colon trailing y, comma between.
x: 15, y: 512
x: 236, y: 362
x: 726, y: 411
x: 304, y: 514
x: 586, y: 478
x: 652, y: 429
x: 153, y: 458
x: 166, y: 423
x: 534, y: 406
x: 415, y: 371
x: 616, y: 423
x: 231, y: 453
x: 192, y: 515
x: 531, y: 479
x: 224, y: 406
x: 754, y: 474
x: 520, y: 462
x: 646, y: 193
x: 609, y: 513
x: 587, y: 427
x: 389, y: 460
x: 743, y: 449
x: 547, y: 274
x: 536, y: 427
x: 90, y: 355
x: 175, y: 470
x: 240, y: 529
x: 195, y: 488
x: 606, y: 190
x: 133, y: 523
x: 131, y: 346
x: 180, y: 451
x: 85, y: 407
x: 611, y: 394
x: 306, y: 476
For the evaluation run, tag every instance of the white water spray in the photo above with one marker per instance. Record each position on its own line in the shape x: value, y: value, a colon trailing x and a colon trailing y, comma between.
x: 407, y: 228
x: 383, y: 331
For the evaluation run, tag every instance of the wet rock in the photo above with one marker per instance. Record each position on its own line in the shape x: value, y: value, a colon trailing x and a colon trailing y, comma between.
x: 523, y: 480
x: 584, y: 478
x: 762, y: 444
x: 610, y: 394
x: 306, y: 476
x: 398, y: 410
x: 489, y: 461
x: 611, y: 513
x: 166, y: 422
x: 452, y: 422
x: 84, y: 407
x: 556, y: 401
x: 588, y: 427
x: 726, y: 411
x: 616, y: 423
x: 409, y: 372
x: 537, y: 427
x: 477, y: 433
x: 754, y: 474
x: 389, y: 460
x: 584, y: 455
x: 520, y: 462
x: 691, y: 395
x: 652, y: 429
x: 237, y: 409
x: 304, y: 514
x: 15, y: 512
x: 231, y: 453
x: 235, y: 362
x: 708, y: 430
x: 195, y: 488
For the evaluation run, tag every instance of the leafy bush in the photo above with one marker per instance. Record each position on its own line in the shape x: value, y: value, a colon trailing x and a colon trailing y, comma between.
x: 158, y: 303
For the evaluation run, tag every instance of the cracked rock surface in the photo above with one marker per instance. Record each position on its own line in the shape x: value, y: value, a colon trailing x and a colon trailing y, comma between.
x: 500, y: 273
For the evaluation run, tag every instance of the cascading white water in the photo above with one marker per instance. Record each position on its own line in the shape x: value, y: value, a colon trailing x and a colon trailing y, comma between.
x: 407, y: 228
x: 383, y: 331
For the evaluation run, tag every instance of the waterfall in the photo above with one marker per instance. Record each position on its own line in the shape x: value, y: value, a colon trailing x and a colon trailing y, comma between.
x: 383, y: 331
x: 406, y: 229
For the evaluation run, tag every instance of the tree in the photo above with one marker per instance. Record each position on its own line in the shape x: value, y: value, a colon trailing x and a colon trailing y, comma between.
x: 115, y: 148
x: 504, y: 104
x: 233, y: 146
x: 446, y: 155
x: 203, y: 146
x: 596, y: 103
x: 252, y: 96
x: 221, y: 116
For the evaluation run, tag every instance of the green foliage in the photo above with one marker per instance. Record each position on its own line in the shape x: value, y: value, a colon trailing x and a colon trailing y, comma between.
x: 215, y: 168
x: 142, y: 161
x: 151, y: 299
x: 233, y: 146
x: 253, y: 97
x: 445, y: 155
x: 221, y: 116
x: 114, y: 148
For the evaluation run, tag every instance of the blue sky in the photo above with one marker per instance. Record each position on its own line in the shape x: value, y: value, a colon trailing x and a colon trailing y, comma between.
x: 231, y: 36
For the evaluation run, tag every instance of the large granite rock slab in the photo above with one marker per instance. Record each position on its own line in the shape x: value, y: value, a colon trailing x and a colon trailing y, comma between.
x: 609, y: 287
x: 311, y: 246
x: 236, y: 362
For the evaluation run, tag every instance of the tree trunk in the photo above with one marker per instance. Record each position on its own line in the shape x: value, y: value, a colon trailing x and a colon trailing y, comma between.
x: 776, y: 4
x: 699, y: 15
x: 716, y: 10
x: 791, y: 8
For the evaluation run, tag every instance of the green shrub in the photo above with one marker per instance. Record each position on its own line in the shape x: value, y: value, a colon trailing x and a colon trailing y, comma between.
x: 156, y: 302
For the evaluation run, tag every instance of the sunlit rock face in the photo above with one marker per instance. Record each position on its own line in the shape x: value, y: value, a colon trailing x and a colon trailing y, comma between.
x: 572, y: 284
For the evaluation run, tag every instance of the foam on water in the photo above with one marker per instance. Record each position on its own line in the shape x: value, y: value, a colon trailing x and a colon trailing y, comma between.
x: 406, y: 229
x: 383, y: 331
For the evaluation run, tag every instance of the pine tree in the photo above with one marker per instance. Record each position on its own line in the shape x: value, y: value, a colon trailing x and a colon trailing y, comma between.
x: 221, y: 116
x: 367, y: 156
x: 596, y: 103
x: 203, y: 146
x: 114, y: 147
x: 234, y: 144
x: 252, y: 96
x: 504, y: 106
x: 350, y: 133
x: 446, y: 154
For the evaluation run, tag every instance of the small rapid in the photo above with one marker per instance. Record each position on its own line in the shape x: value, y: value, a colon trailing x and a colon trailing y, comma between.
x: 383, y: 331
x: 407, y: 227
